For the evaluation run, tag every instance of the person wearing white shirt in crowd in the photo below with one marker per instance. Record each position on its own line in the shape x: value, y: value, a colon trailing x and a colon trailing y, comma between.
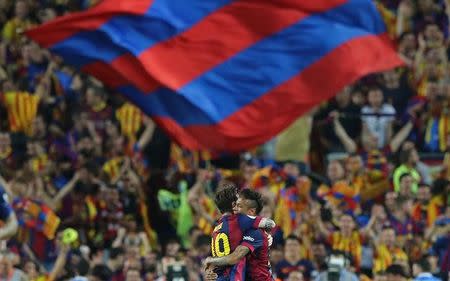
x: 379, y: 126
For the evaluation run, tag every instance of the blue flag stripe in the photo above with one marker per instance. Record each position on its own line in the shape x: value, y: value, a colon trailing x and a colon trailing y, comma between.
x: 135, y: 33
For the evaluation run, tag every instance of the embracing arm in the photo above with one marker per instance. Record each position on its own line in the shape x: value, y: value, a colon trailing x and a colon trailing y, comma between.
x: 233, y: 258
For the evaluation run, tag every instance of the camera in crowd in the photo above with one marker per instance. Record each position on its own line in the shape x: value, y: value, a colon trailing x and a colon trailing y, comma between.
x: 336, y: 263
x: 177, y: 272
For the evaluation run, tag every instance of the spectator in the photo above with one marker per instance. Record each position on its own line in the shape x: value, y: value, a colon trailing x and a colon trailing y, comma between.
x: 422, y: 271
x: 408, y: 159
x: 378, y: 117
x: 425, y: 212
x: 7, y: 270
x: 396, y: 272
x: 406, y: 182
x: 292, y: 260
x: 348, y: 116
x: 13, y: 29
x: 387, y: 252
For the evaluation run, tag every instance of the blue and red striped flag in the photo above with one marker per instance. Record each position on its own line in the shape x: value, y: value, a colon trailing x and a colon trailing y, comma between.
x: 224, y: 74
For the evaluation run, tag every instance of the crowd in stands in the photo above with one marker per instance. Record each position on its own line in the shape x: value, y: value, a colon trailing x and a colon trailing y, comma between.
x: 101, y: 193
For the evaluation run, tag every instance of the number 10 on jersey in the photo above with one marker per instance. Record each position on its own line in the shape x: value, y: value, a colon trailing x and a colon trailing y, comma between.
x: 220, y: 245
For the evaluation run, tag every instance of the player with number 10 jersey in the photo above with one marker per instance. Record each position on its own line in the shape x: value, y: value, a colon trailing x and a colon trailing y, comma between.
x: 228, y: 232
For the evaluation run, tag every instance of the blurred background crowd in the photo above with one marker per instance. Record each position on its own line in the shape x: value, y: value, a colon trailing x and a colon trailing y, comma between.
x: 359, y: 187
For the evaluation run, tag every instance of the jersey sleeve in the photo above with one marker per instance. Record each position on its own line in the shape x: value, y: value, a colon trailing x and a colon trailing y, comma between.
x: 5, y: 207
x: 248, y: 222
x: 253, y: 239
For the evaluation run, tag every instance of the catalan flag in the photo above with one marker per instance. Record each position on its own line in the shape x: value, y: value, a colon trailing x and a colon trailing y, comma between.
x: 384, y: 257
x: 223, y: 74
x: 130, y: 119
x: 22, y: 108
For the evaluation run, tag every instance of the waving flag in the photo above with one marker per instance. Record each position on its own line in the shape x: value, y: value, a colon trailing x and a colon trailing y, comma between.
x: 223, y: 74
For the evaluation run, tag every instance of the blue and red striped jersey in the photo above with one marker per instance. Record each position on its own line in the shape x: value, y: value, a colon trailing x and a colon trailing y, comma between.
x: 258, y: 263
x: 226, y: 237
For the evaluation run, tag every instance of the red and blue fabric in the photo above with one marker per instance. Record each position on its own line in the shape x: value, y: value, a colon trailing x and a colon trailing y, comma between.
x: 258, y: 259
x: 233, y: 227
x: 224, y: 75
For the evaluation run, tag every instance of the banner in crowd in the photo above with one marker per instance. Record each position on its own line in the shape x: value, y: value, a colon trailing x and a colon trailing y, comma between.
x: 224, y: 75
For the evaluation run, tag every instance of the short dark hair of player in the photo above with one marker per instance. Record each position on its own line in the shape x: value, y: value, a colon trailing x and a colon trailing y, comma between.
x: 254, y: 198
x: 226, y: 198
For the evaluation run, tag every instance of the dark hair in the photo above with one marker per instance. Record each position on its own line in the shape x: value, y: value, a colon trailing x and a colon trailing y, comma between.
x: 404, y: 34
x: 102, y: 272
x: 254, y: 197
x: 115, y: 252
x: 424, y: 264
x: 192, y: 229
x: 396, y: 269
x: 422, y: 184
x: 92, y: 167
x: 82, y: 268
x: 403, y: 176
x: 225, y: 198
x: 97, y: 90
x: 439, y: 186
x: 173, y: 240
x: 405, y: 155
x: 203, y: 240
x: 292, y: 237
x: 373, y: 88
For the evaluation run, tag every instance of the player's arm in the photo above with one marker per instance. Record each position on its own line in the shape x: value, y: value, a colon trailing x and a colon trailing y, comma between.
x: 233, y: 258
